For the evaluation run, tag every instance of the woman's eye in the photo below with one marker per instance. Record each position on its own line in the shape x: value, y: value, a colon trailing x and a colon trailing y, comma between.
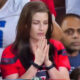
x: 45, y: 23
x: 35, y: 23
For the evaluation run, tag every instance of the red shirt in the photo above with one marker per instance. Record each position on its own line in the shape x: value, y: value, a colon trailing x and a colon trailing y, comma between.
x: 11, y: 64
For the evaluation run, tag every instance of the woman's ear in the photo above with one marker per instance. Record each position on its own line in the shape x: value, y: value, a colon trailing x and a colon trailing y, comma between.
x: 57, y: 33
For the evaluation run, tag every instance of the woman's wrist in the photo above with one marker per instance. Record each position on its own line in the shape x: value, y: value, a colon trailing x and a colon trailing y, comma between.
x: 49, y: 65
x: 36, y: 65
x: 37, y: 62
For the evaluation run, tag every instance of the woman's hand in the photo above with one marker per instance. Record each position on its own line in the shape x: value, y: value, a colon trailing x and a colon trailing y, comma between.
x: 47, y: 62
x: 40, y: 51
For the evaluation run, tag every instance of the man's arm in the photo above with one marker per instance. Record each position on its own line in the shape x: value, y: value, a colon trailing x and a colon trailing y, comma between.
x: 57, y: 31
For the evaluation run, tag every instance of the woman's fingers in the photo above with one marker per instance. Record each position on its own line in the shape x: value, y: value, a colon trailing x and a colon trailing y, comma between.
x: 47, y: 52
x: 41, y: 50
x: 42, y: 43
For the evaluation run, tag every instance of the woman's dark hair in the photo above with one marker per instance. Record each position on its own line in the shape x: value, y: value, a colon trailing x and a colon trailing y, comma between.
x: 22, y: 44
x: 75, y: 74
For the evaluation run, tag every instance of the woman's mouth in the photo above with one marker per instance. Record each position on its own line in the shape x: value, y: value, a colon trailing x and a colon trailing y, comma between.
x: 40, y: 34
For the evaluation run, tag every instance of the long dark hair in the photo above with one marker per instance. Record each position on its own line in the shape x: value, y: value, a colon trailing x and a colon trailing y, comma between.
x: 22, y: 44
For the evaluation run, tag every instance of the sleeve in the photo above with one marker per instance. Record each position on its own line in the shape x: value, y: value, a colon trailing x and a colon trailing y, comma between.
x: 63, y: 60
x: 19, y: 4
x: 8, y: 64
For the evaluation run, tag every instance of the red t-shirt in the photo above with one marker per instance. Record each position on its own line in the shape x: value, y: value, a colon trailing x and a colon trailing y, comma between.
x: 10, y: 64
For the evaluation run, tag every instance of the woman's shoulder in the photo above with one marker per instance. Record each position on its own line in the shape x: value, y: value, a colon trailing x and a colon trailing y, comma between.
x: 8, y: 52
x: 56, y: 43
x: 7, y: 56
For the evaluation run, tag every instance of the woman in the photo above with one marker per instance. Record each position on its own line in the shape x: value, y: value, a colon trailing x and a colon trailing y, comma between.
x: 33, y: 53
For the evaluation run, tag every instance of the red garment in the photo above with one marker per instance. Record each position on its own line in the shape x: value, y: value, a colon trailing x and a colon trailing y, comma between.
x: 50, y: 4
x: 11, y: 64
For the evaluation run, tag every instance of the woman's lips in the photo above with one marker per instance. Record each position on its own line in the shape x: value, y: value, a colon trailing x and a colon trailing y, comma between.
x: 41, y: 34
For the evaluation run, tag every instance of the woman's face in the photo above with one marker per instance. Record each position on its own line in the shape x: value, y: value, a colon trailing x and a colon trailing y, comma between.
x: 39, y: 25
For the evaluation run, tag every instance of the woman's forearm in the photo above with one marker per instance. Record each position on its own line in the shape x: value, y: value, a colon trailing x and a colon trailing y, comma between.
x: 58, y: 74
x: 61, y: 73
x: 30, y: 73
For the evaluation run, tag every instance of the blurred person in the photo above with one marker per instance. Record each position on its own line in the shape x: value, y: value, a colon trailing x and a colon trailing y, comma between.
x: 71, y: 38
x: 33, y: 52
x: 9, y: 14
x: 72, y: 6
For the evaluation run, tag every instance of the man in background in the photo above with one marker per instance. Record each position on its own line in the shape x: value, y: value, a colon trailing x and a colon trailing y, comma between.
x: 71, y: 38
